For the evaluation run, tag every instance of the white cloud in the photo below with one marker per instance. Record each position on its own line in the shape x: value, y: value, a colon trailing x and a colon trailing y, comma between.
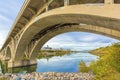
x: 4, y: 18
x: 88, y: 38
x: 60, y: 39
x: 2, y: 37
x: 8, y: 12
x: 79, y: 40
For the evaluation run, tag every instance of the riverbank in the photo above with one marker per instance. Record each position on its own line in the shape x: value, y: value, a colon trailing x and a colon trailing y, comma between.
x: 47, y: 76
x: 102, y: 51
x: 108, y: 65
x: 51, y: 53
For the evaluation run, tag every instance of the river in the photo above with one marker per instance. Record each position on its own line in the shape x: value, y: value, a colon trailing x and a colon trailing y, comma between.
x: 66, y: 63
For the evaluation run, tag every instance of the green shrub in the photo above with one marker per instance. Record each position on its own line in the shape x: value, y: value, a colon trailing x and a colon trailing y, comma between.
x: 108, y: 66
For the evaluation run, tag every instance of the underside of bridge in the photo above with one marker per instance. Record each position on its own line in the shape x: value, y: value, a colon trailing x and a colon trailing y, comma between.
x: 42, y: 37
x: 39, y: 21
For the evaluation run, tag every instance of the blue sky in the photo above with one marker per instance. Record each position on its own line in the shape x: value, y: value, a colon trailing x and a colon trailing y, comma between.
x: 8, y: 12
x: 79, y: 40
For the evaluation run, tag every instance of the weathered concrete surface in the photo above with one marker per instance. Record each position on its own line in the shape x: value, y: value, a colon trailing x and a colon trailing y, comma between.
x: 71, y: 28
x: 92, y: 15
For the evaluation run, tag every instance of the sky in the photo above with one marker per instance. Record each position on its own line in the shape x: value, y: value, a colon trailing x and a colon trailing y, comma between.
x: 75, y: 40
x: 80, y: 41
x: 8, y: 12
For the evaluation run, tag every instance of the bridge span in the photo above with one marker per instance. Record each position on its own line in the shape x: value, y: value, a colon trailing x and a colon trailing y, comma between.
x: 40, y: 20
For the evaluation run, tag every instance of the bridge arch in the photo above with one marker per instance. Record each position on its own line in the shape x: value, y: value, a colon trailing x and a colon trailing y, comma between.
x: 70, y: 28
x: 76, y: 14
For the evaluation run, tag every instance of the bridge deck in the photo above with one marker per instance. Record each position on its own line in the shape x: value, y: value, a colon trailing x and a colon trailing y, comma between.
x: 31, y: 7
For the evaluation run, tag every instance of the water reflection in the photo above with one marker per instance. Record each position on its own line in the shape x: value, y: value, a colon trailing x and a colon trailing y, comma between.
x: 65, y: 63
x: 28, y: 69
x: 4, y: 68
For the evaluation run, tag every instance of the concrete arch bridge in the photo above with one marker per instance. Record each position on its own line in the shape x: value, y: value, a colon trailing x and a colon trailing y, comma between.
x: 40, y: 20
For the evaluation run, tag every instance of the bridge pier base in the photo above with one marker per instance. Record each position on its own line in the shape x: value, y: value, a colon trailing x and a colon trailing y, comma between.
x: 109, y: 1
x: 21, y: 63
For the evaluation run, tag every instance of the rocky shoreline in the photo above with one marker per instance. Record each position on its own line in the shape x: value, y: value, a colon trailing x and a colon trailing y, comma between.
x: 47, y: 76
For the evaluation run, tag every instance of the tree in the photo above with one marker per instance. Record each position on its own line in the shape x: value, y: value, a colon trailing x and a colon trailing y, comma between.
x: 108, y: 66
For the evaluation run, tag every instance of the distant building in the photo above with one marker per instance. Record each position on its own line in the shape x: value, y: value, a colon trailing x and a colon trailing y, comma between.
x: 47, y: 48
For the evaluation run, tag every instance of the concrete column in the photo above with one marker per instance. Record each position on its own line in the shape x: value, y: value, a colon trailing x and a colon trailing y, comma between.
x: 47, y: 8
x: 109, y: 1
x: 66, y: 2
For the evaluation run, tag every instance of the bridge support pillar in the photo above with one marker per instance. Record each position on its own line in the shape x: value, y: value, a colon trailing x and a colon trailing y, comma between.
x: 109, y: 1
x: 21, y: 63
x: 47, y: 8
x: 66, y: 2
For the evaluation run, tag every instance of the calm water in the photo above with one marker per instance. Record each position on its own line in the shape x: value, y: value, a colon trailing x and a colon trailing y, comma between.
x: 66, y: 63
